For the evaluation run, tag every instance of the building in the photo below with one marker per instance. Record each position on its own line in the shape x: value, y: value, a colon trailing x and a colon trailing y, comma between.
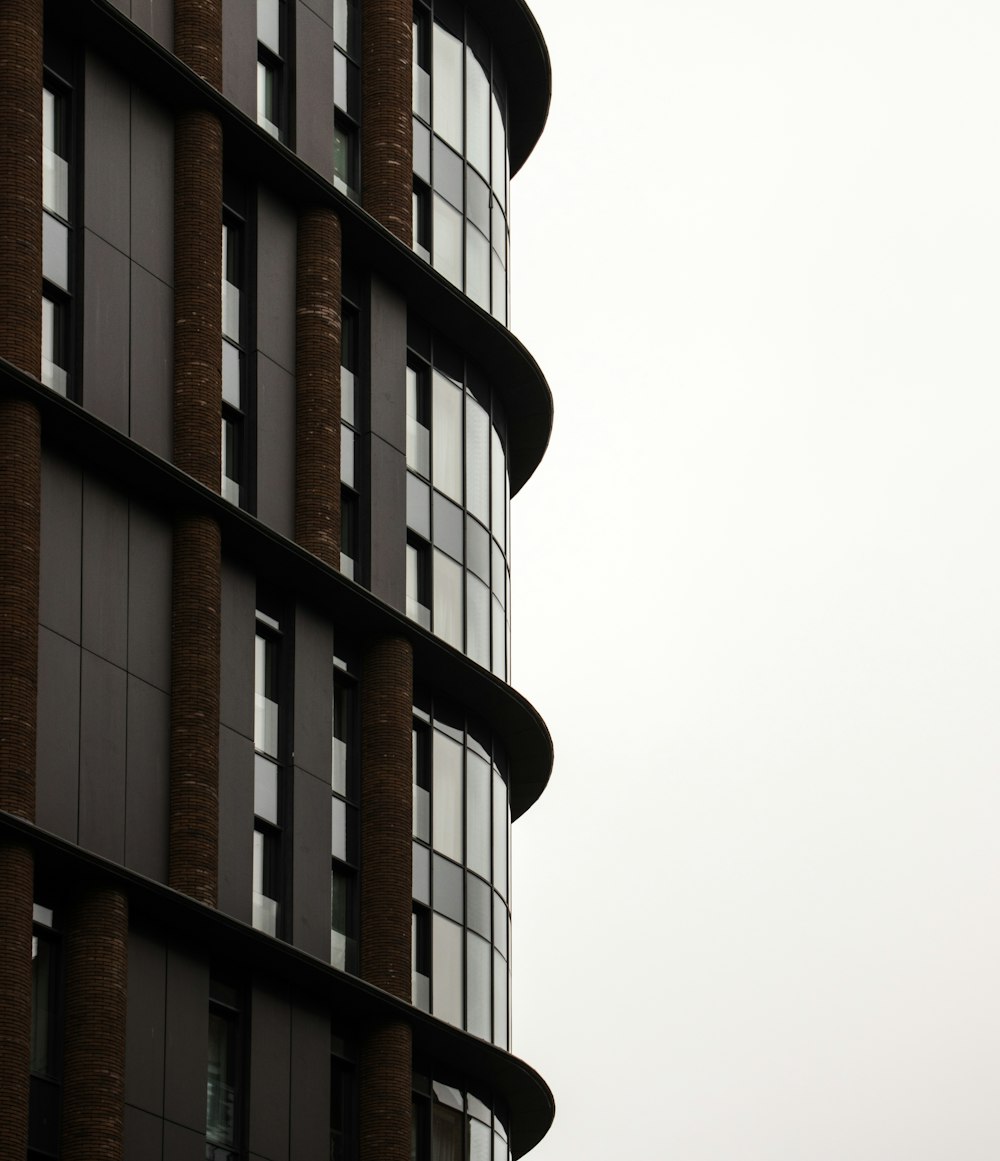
x: 260, y: 421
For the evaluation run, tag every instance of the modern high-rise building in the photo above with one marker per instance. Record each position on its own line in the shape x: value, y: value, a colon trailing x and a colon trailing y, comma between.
x: 261, y: 417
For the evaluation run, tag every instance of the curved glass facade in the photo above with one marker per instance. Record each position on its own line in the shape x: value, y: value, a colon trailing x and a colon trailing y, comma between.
x: 461, y: 874
x: 451, y: 1124
x: 461, y: 166
x: 457, y: 503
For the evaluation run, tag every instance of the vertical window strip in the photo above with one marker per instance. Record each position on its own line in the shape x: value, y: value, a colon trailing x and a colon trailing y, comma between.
x: 268, y: 790
x: 272, y: 75
x: 344, y: 784
x: 57, y: 258
x: 235, y: 360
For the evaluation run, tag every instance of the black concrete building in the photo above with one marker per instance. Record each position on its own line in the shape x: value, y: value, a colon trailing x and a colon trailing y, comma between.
x: 261, y: 418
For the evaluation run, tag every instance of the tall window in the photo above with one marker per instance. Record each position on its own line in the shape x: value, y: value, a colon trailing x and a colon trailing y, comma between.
x: 57, y: 257
x: 346, y: 95
x: 343, y: 1099
x: 43, y: 1109
x: 452, y: 1125
x: 344, y: 785
x: 267, y: 796
x: 272, y: 73
x: 350, y: 402
x: 222, y: 1105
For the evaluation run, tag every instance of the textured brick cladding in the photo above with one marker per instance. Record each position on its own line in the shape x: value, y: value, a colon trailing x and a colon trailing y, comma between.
x: 198, y: 297
x: 387, y: 815
x: 16, y: 886
x: 386, y: 1101
x: 198, y: 37
x: 93, y: 1103
x: 386, y: 114
x: 21, y: 183
x: 317, y: 385
x: 194, y: 709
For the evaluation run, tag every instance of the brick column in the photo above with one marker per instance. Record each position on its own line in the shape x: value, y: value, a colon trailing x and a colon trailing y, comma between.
x: 197, y: 568
x: 317, y: 385
x: 20, y: 455
x: 386, y: 891
x: 96, y: 958
x: 386, y: 114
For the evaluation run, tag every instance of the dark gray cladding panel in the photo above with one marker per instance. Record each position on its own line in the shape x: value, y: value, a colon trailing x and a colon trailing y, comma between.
x: 180, y: 1144
x: 145, y: 1031
x: 147, y: 770
x: 105, y: 572
x: 313, y: 745
x: 311, y: 864
x: 61, y: 536
x: 186, y: 1042
x: 58, y: 759
x: 102, y: 757
x: 270, y: 1019
x: 151, y: 363
x: 322, y: 8
x: 313, y: 74
x: 310, y: 1087
x: 275, y: 447
x: 239, y: 55
x: 276, y: 246
x: 150, y: 557
x: 239, y: 601
x: 388, y: 532
x: 105, y: 331
x: 155, y: 17
x: 152, y: 187
x: 387, y: 360
x: 106, y: 149
x: 143, y: 1132
x: 236, y: 824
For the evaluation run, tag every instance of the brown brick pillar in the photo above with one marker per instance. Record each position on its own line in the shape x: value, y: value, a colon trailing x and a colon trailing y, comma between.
x: 386, y: 891
x: 198, y: 37
x: 194, y: 702
x: 386, y: 114
x: 16, y: 887
x: 96, y: 957
x: 20, y: 450
x: 317, y: 385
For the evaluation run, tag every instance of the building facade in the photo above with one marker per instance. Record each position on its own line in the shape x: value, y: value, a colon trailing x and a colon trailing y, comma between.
x: 261, y: 418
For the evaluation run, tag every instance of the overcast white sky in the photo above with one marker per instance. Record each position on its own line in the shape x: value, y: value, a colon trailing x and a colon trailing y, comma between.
x: 757, y: 582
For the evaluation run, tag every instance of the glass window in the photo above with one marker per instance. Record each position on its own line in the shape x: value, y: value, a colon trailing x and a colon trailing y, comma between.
x: 421, y: 62
x: 418, y: 435
x: 478, y: 996
x: 54, y: 344
x: 447, y: 240
x: 477, y: 621
x: 418, y: 505
x: 477, y: 460
x: 477, y: 267
x: 500, y: 985
x: 448, y: 526
x: 421, y: 981
x: 447, y: 86
x: 447, y: 975
x: 417, y: 585
x: 499, y: 168
x: 447, y: 447
x: 265, y: 789
x: 477, y: 113
x: 55, y: 251
x: 478, y: 906
x: 341, y: 941
x: 498, y: 471
x: 266, y: 696
x: 55, y: 155
x: 501, y: 824
x: 478, y: 814
x: 447, y: 895
x: 448, y: 603
x: 447, y: 796
x: 421, y: 783
x: 221, y: 1121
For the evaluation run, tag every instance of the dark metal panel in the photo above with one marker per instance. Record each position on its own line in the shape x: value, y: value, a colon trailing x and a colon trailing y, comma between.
x: 143, y: 1133
x: 105, y: 331
x: 105, y: 571
x: 387, y: 494
x: 150, y: 556
x: 60, y: 549
x: 235, y: 824
x: 152, y: 185
x: 239, y: 600
x: 102, y: 757
x: 313, y: 746
x: 157, y: 18
x: 387, y: 362
x: 275, y: 446
x: 106, y: 150
x: 57, y: 765
x: 180, y: 1144
x: 270, y: 1019
x: 310, y: 1081
x: 145, y: 1030
x: 310, y: 833
x: 147, y: 770
x: 239, y: 55
x: 151, y: 363
x: 186, y: 1044
x: 313, y: 75
x: 276, y: 242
